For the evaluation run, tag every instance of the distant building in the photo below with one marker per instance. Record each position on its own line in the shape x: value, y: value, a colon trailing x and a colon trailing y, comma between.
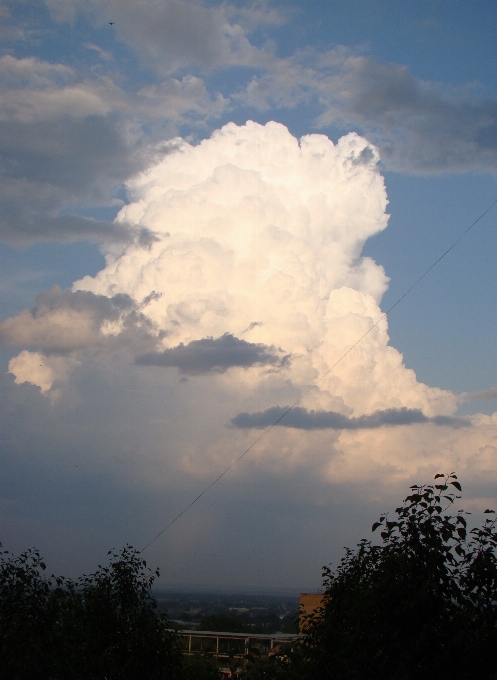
x: 309, y: 603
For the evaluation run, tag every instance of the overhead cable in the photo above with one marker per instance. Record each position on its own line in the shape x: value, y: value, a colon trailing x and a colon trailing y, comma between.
x: 358, y: 341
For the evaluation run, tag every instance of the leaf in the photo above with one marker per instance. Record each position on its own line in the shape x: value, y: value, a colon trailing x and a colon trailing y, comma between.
x: 375, y: 526
x: 439, y: 475
x: 489, y: 511
x: 457, y: 485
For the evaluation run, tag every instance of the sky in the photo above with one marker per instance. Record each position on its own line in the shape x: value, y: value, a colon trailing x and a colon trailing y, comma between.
x: 207, y: 209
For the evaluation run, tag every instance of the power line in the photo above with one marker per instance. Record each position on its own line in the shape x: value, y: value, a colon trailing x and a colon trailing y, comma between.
x: 261, y: 436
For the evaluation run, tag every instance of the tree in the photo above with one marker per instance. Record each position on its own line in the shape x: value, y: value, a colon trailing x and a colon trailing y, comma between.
x: 103, y: 626
x: 124, y: 636
x: 32, y: 610
x: 286, y: 662
x: 221, y: 622
x: 422, y: 604
x: 200, y: 668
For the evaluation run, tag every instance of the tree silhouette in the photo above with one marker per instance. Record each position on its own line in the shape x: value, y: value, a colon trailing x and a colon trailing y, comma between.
x: 422, y: 604
x: 103, y: 626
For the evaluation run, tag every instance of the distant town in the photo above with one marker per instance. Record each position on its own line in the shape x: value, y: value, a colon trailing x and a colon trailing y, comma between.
x: 236, y: 613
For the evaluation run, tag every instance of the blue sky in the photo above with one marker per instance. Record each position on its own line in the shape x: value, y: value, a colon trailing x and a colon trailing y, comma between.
x: 91, y: 119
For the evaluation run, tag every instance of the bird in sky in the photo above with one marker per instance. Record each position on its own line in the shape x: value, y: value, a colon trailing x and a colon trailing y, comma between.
x: 111, y: 23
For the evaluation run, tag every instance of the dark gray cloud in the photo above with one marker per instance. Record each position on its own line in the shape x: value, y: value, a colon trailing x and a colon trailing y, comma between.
x: 431, y: 129
x: 65, y: 321
x: 251, y: 326
x: 215, y: 355
x: 419, y: 126
x: 50, y: 164
x: 174, y: 34
x: 480, y: 396
x: 65, y: 140
x: 45, y: 150
x: 302, y: 419
x: 71, y: 139
x: 25, y: 222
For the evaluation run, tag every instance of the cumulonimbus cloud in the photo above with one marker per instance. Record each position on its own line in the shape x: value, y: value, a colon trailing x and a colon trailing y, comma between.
x: 215, y: 355
x: 255, y: 224
x: 302, y: 419
x: 259, y: 237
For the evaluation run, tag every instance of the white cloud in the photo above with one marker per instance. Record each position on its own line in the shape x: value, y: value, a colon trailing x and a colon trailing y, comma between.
x: 47, y: 373
x: 28, y: 106
x: 179, y: 100
x: 32, y: 72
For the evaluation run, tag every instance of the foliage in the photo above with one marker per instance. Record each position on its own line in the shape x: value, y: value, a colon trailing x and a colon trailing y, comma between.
x: 290, y: 624
x: 265, y: 624
x: 286, y: 662
x: 420, y: 605
x: 200, y: 668
x: 102, y: 626
x: 220, y: 622
x: 31, y: 613
x: 125, y: 636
